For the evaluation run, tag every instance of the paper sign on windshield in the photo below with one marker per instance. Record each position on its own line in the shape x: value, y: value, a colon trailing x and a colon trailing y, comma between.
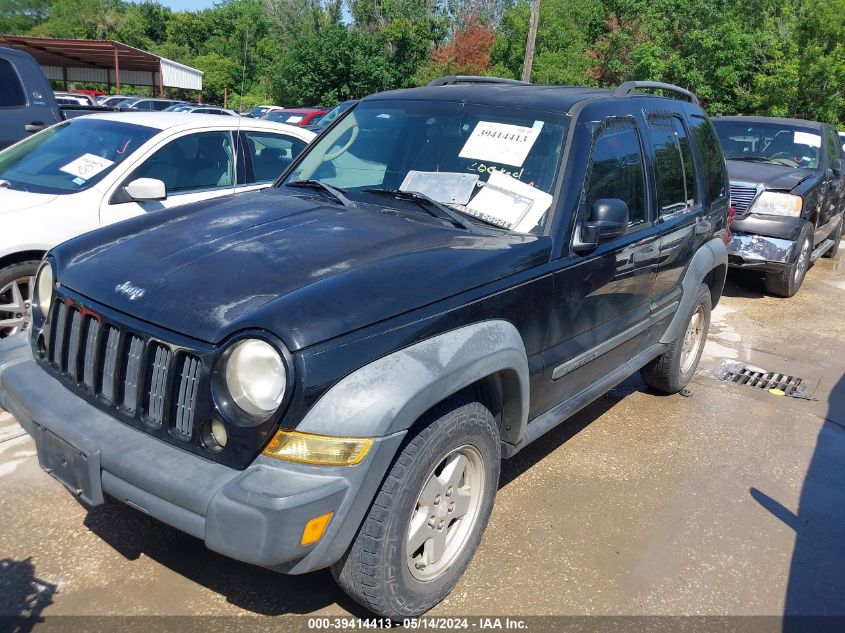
x: 500, y: 143
x: 87, y: 166
x: 805, y: 138
x: 509, y: 203
x: 294, y: 119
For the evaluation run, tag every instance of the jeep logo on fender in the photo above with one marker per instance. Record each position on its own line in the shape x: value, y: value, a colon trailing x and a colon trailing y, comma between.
x: 133, y: 292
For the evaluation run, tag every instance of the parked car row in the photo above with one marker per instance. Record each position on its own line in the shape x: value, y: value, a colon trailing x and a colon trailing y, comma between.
x: 328, y: 371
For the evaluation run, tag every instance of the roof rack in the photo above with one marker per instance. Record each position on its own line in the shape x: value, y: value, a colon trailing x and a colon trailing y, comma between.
x: 630, y: 88
x: 451, y: 80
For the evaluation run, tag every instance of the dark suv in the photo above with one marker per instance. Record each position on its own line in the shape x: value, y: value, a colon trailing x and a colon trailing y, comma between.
x: 328, y: 372
x: 788, y: 193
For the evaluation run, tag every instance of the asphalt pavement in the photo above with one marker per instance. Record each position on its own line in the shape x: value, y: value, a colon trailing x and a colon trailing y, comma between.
x: 730, y: 501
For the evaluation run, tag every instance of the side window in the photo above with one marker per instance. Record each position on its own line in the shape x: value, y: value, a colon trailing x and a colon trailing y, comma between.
x: 710, y: 152
x: 144, y: 105
x: 668, y: 166
x: 197, y: 161
x: 617, y: 170
x: 834, y: 147
x: 271, y: 154
x: 11, y: 91
x: 689, y: 163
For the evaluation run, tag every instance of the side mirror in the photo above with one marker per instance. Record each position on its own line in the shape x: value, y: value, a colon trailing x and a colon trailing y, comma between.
x: 608, y: 220
x: 143, y: 189
x: 836, y: 167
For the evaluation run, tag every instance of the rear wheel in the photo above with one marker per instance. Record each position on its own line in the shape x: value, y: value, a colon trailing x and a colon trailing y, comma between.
x: 671, y: 371
x: 428, y: 518
x: 786, y: 283
x: 17, y: 283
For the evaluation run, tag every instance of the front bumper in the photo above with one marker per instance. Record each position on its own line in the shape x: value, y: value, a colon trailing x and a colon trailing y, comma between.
x: 255, y: 515
x: 765, y: 242
x: 761, y: 252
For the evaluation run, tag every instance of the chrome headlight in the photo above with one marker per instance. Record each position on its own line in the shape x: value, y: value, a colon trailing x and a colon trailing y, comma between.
x: 774, y: 203
x: 255, y: 376
x: 43, y: 289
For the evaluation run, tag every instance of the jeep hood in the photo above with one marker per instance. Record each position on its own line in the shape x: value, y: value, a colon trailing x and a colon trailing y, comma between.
x: 304, y: 268
x: 773, y: 177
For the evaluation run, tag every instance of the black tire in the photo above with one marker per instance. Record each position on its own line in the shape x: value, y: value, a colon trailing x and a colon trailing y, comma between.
x: 375, y: 570
x: 836, y: 236
x: 665, y: 372
x: 787, y: 283
x: 7, y: 276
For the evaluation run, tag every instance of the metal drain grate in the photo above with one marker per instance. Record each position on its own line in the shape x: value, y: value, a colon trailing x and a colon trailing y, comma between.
x: 750, y: 376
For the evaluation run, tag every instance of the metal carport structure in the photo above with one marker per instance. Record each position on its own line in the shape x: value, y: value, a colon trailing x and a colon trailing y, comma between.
x: 105, y: 61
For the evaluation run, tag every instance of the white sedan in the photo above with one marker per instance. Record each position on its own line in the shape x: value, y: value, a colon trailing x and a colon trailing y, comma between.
x: 92, y: 171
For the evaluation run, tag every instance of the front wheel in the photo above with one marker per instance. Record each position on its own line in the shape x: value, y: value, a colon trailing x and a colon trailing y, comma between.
x: 428, y: 518
x: 786, y: 283
x: 16, y: 286
x: 673, y: 369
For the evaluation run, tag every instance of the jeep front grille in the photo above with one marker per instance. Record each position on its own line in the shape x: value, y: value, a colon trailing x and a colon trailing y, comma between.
x: 146, y: 380
x: 742, y: 197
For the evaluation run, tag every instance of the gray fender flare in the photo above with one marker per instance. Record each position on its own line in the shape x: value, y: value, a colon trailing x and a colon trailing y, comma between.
x: 391, y: 393
x: 711, y: 256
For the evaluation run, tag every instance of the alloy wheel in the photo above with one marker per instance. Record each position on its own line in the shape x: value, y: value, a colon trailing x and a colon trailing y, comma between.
x: 445, y: 513
x: 16, y: 306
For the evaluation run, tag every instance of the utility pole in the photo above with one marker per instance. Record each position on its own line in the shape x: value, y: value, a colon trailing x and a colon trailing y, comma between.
x: 532, y: 37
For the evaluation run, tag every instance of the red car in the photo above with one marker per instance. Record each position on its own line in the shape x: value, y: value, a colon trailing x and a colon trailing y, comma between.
x: 297, y: 116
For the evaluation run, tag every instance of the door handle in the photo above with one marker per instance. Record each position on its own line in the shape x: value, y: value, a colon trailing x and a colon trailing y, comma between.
x: 35, y: 126
x: 644, y: 254
x: 703, y: 226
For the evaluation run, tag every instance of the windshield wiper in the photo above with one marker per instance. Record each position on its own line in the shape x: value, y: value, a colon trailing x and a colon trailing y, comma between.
x: 756, y: 159
x: 337, y: 194
x: 435, y: 208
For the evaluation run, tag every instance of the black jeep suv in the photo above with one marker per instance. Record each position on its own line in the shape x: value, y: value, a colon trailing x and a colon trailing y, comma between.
x: 788, y: 193
x: 328, y: 372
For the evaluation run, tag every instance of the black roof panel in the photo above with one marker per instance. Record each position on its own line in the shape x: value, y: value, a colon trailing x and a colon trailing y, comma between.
x: 811, y: 125
x: 552, y: 98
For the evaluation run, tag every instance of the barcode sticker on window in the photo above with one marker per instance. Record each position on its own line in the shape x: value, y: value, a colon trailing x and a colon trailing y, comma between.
x: 500, y: 143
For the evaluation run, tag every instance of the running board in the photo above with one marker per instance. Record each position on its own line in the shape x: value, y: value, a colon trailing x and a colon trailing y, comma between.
x: 821, y: 249
x: 551, y: 418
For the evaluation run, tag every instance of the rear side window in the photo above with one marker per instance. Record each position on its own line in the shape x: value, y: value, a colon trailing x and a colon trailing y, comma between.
x: 617, y: 169
x: 834, y: 146
x: 668, y: 165
x: 271, y: 154
x: 11, y: 91
x: 689, y: 163
x: 710, y: 152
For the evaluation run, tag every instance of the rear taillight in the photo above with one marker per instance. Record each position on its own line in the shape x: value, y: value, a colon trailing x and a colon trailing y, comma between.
x: 727, y: 235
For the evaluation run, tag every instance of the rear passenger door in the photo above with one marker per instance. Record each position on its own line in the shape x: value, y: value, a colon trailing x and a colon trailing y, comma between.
x: 22, y: 114
x: 679, y: 203
x: 601, y: 297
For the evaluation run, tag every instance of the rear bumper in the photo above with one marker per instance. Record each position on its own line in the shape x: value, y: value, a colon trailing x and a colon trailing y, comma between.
x: 255, y: 515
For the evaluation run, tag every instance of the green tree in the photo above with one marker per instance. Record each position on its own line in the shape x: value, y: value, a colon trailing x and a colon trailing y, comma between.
x: 566, y: 29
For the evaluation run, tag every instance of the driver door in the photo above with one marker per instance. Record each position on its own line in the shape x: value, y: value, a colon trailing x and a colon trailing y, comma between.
x: 602, y: 297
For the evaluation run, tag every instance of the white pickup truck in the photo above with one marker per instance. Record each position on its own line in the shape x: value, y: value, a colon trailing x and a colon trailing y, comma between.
x: 92, y: 171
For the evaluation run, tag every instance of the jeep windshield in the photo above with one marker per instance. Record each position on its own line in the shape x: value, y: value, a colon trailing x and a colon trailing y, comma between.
x: 71, y: 156
x: 493, y: 164
x: 773, y: 143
